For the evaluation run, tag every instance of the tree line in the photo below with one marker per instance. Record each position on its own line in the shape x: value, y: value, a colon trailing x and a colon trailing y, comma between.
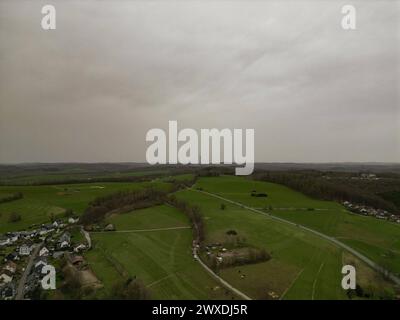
x: 194, y: 215
x: 11, y: 197
x: 121, y: 201
x: 316, y: 186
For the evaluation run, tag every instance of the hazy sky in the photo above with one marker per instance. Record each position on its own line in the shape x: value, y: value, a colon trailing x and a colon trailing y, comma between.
x: 112, y: 70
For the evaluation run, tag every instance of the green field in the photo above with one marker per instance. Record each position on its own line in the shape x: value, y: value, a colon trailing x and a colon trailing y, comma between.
x: 379, y: 240
x: 162, y: 259
x: 154, y: 244
x: 150, y: 218
x: 303, y: 266
x: 40, y: 202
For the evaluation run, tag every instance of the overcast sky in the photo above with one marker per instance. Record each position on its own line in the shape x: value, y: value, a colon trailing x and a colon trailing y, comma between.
x: 91, y: 89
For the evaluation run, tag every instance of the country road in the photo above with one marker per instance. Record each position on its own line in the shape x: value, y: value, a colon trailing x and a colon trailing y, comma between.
x: 21, y: 285
x: 219, y: 279
x: 368, y: 261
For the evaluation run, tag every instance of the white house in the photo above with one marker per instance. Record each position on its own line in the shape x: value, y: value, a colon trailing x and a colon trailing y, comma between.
x: 72, y: 220
x: 5, y: 278
x: 64, y: 244
x: 79, y: 248
x: 24, y: 250
x: 44, y: 252
x: 40, y: 263
x: 5, y: 242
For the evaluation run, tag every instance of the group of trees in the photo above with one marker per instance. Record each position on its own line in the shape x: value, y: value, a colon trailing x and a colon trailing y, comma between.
x: 121, y: 201
x: 315, y: 185
x: 237, y: 258
x: 14, y: 217
x: 194, y: 215
x: 182, y: 184
x: 131, y: 289
x: 11, y: 197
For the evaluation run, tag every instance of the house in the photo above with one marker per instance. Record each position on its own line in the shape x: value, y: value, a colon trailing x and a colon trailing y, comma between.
x: 58, y: 254
x: 5, y: 278
x: 109, y: 227
x: 43, y: 232
x: 64, y: 245
x: 72, y: 220
x: 65, y: 237
x: 39, y: 265
x: 80, y: 248
x: 10, y: 266
x: 13, y: 256
x: 44, y: 252
x: 5, y: 242
x: 24, y: 250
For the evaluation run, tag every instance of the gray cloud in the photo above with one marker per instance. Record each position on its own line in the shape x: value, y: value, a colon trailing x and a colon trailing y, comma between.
x: 91, y: 89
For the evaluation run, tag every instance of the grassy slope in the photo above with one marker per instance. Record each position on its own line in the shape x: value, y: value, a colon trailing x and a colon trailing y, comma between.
x: 303, y: 265
x: 162, y: 259
x: 150, y: 218
x: 292, y: 250
x: 40, y: 201
x: 377, y: 239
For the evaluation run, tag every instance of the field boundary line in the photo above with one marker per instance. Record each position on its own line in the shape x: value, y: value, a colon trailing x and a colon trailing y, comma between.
x: 160, y: 280
x: 291, y: 284
x: 316, y: 279
x: 359, y: 255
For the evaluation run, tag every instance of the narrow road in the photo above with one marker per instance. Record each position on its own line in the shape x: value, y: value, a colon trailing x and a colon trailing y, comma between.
x: 368, y: 261
x: 220, y: 280
x: 21, y: 285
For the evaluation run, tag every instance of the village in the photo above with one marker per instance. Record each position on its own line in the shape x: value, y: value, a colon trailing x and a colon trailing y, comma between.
x: 23, y: 254
x: 369, y: 211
